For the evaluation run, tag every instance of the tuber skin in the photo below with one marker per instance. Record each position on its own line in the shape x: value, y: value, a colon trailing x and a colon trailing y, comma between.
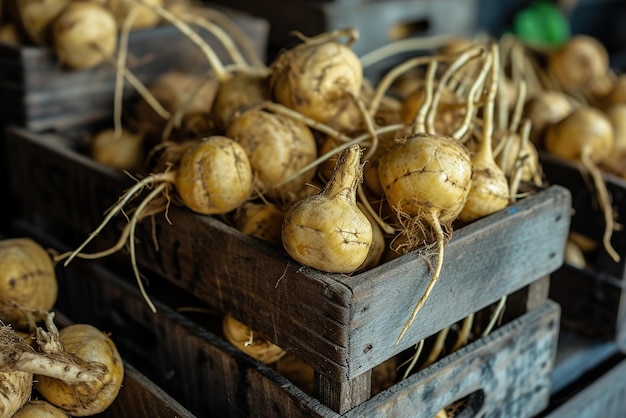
x: 84, y: 35
x: 320, y: 78
x: 257, y: 347
x: 27, y: 281
x: 260, y: 220
x: 581, y: 64
x: 123, y: 151
x: 39, y: 408
x: 278, y: 147
x: 144, y: 17
x: 236, y: 95
x: 187, y: 99
x: 328, y: 231
x: 214, y: 177
x: 36, y: 16
x: 415, y: 182
x: 547, y: 108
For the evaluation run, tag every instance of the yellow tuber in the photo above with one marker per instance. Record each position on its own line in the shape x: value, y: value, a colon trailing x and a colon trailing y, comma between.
x: 328, y: 231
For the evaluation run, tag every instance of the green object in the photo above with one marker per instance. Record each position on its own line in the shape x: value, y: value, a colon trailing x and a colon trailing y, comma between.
x: 542, y: 23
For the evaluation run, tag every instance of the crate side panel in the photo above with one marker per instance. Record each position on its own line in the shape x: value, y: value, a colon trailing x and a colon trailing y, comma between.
x: 48, y: 176
x: 511, y: 366
x: 189, y: 366
x: 483, y: 262
x: 298, y: 307
x: 279, y: 398
x: 186, y: 358
x: 293, y: 306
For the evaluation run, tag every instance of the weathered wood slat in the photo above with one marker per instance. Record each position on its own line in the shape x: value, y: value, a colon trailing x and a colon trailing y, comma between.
x: 511, y: 368
x: 577, y: 355
x: 45, y: 95
x: 484, y: 261
x: 314, y: 17
x: 342, y: 326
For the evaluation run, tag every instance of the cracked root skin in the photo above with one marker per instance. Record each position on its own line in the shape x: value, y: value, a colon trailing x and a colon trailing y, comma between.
x: 427, y: 171
x: 328, y: 231
x: 318, y: 80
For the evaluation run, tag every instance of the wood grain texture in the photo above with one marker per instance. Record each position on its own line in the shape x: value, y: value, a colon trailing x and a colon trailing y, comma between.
x: 190, y: 362
x: 342, y: 326
x: 38, y: 93
x: 484, y: 261
x: 577, y: 356
x: 509, y: 370
x: 511, y: 367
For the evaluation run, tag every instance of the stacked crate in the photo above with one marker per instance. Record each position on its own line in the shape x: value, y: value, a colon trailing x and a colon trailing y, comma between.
x: 40, y: 95
x: 343, y: 326
x: 589, y: 366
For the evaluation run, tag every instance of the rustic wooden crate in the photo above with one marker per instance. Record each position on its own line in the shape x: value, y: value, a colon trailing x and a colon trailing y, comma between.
x: 506, y: 374
x: 589, y: 379
x: 593, y: 299
x: 378, y: 21
x: 38, y: 93
x: 341, y: 325
x: 139, y: 396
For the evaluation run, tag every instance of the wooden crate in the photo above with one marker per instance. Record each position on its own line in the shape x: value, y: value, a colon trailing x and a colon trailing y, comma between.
x: 379, y: 22
x: 506, y: 374
x: 593, y: 299
x: 38, y: 93
x: 341, y: 325
x: 589, y: 379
